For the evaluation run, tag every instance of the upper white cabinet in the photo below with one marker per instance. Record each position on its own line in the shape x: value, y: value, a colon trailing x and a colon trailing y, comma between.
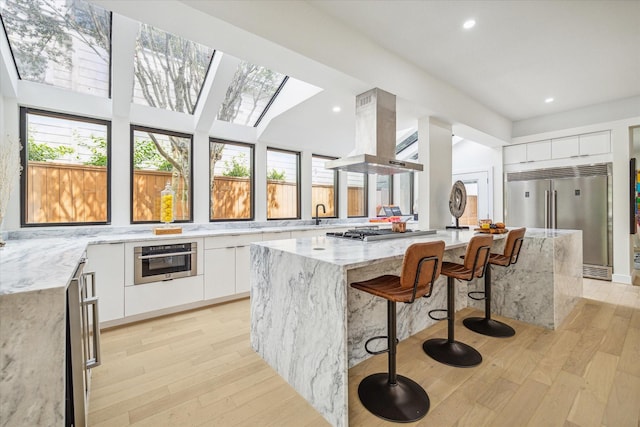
x: 595, y: 143
x: 515, y: 154
x: 559, y: 148
x: 562, y: 148
x: 538, y: 151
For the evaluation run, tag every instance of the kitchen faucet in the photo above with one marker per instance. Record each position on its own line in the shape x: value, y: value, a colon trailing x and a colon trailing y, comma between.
x: 324, y: 210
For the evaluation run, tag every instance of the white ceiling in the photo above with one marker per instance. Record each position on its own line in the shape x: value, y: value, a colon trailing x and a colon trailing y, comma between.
x: 519, y: 53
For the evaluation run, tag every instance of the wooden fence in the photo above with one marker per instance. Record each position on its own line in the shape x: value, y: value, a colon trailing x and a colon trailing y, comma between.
x: 147, y: 186
x: 59, y: 192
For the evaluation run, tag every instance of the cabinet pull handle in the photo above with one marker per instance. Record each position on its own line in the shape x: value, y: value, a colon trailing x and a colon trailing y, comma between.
x: 166, y: 255
x: 96, y: 360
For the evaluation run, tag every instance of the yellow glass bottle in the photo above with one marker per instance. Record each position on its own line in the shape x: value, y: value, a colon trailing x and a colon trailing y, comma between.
x: 167, y: 205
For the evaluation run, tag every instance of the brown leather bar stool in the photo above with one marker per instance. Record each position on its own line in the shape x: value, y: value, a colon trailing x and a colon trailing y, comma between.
x: 486, y: 325
x: 448, y: 350
x: 388, y: 395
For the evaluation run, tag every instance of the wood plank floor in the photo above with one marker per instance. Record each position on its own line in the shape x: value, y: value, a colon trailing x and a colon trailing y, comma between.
x: 197, y: 368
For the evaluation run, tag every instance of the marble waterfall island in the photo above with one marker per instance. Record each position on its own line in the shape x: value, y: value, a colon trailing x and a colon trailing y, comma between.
x: 310, y: 326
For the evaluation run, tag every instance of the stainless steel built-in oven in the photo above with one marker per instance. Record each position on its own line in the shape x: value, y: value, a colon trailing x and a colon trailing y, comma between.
x: 164, y: 262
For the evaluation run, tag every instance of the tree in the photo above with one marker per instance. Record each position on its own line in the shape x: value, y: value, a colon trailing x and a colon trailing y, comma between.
x: 43, y: 31
x: 169, y: 70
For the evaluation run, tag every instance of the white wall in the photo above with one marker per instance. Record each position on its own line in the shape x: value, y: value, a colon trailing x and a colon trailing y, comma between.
x: 469, y: 156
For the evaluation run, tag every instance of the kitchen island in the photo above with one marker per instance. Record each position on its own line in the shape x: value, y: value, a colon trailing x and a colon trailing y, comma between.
x: 310, y: 326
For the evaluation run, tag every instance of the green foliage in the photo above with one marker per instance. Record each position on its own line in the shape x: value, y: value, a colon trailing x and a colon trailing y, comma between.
x: 146, y: 156
x: 41, y: 152
x: 98, y: 151
x: 237, y: 167
x: 276, y: 175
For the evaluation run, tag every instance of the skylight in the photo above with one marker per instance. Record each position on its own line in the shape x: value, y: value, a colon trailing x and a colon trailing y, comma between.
x: 169, y: 71
x: 250, y: 94
x: 61, y: 43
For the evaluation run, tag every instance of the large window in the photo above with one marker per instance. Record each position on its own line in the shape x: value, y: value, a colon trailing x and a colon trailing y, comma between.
x: 169, y: 70
x: 384, y: 193
x: 157, y: 158
x: 324, y: 185
x: 231, y: 180
x: 65, y: 177
x: 357, y: 194
x: 283, y: 190
x: 250, y: 94
x: 403, y: 192
x: 60, y: 42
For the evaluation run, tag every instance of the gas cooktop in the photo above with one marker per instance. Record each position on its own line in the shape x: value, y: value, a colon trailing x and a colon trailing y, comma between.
x: 370, y: 234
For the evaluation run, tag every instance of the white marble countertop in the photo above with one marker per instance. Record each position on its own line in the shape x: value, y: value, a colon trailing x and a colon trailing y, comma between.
x: 355, y: 253
x: 46, y: 258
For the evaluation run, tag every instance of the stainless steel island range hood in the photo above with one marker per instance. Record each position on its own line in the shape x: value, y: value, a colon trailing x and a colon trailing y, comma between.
x: 375, y: 150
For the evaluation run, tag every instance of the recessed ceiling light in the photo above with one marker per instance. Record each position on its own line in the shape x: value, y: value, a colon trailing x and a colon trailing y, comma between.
x: 468, y: 24
x: 548, y: 100
x: 336, y: 109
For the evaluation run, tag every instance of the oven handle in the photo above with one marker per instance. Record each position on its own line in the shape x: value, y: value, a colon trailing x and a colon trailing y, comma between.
x: 166, y: 255
x: 96, y: 360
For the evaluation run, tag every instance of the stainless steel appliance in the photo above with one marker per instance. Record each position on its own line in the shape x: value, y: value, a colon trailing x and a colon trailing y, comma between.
x: 577, y: 197
x: 371, y: 234
x: 375, y: 150
x: 82, y: 344
x: 164, y: 262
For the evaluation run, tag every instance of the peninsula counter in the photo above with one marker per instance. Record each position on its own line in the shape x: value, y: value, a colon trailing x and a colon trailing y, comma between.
x: 310, y: 326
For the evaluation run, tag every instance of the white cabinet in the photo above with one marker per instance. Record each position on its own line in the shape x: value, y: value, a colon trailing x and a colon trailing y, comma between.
x: 538, y: 151
x: 563, y: 148
x: 243, y: 267
x: 595, y: 143
x: 107, y: 262
x: 140, y: 299
x: 277, y: 235
x: 227, y: 265
x: 307, y: 233
x: 514, y: 154
x: 219, y: 272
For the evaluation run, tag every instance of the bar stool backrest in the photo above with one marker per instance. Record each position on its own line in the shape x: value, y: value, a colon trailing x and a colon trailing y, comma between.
x: 421, y: 265
x: 514, y: 244
x: 477, y: 254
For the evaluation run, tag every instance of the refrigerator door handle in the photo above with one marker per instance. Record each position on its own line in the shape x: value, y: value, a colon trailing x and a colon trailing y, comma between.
x: 554, y: 209
x: 546, y: 209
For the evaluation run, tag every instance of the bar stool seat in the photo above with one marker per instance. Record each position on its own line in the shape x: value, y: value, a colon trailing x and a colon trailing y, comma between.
x: 486, y: 325
x: 388, y: 395
x: 448, y: 350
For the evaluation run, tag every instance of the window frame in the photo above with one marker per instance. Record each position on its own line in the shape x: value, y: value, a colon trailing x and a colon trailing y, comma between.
x: 336, y: 186
x: 365, y: 189
x: 24, y: 136
x: 298, y: 176
x: 273, y: 98
x: 253, y: 179
x: 411, y: 179
x: 204, y: 79
x: 132, y: 129
x: 391, y: 201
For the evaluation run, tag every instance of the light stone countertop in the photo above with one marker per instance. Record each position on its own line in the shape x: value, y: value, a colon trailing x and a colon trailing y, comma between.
x: 354, y: 253
x: 38, y: 258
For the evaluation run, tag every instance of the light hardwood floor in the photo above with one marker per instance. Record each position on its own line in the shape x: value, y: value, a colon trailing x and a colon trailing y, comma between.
x: 197, y: 368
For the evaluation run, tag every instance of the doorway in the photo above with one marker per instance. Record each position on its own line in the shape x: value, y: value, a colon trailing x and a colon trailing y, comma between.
x: 479, y: 205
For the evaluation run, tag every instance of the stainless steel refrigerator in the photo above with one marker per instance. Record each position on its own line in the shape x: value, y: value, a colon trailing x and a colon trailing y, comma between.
x: 577, y: 198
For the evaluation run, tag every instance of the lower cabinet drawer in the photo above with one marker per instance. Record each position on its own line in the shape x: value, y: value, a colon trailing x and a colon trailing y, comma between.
x: 158, y: 295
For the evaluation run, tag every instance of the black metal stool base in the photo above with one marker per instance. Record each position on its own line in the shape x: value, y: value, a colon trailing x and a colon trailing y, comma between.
x: 404, y: 402
x: 454, y: 353
x: 490, y: 327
